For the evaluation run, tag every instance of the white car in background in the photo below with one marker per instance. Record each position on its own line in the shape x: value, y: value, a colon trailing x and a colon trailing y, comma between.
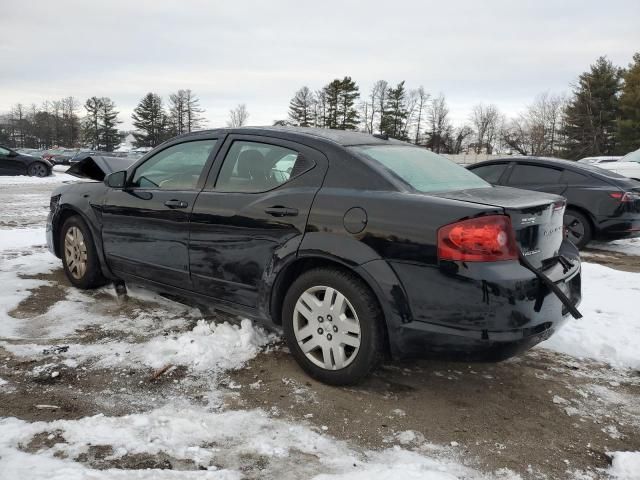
x: 629, y: 165
x: 596, y: 160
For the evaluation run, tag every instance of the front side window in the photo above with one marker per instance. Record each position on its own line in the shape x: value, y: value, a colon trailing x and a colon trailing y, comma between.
x: 4, y: 151
x: 175, y: 168
x: 490, y: 173
x: 258, y: 167
x: 421, y: 169
x: 534, y: 175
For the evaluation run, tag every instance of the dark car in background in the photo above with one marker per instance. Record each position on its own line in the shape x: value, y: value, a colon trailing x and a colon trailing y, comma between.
x: 356, y: 245
x: 14, y: 163
x: 60, y: 156
x: 600, y: 204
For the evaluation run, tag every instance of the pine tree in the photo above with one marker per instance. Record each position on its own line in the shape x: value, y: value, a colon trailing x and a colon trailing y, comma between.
x: 332, y: 98
x: 394, y: 115
x: 91, y: 126
x: 347, y: 112
x: 109, y: 136
x: 629, y: 124
x: 591, y: 115
x: 301, y: 108
x: 150, y: 121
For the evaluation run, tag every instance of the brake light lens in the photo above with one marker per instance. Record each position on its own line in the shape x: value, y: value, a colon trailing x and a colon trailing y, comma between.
x: 483, y: 239
x: 625, y: 197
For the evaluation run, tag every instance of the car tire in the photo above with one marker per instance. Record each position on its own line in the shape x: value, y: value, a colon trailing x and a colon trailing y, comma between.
x: 580, y: 231
x: 38, y: 169
x: 339, y: 339
x: 79, y: 255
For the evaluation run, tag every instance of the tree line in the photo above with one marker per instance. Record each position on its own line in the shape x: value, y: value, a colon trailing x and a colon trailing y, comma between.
x: 94, y: 124
x: 600, y: 117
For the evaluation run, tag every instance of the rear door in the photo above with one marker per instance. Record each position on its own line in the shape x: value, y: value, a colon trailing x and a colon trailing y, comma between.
x: 541, y: 178
x: 145, y: 227
x: 251, y: 215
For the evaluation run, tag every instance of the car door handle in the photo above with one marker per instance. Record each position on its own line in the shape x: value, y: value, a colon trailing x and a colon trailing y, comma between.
x: 176, y: 204
x: 279, y: 211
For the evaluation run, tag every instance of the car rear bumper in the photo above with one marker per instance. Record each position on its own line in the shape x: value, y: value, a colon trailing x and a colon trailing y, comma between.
x: 626, y: 226
x: 482, y: 310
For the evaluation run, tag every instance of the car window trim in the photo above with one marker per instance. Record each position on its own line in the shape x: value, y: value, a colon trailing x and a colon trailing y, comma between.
x: 310, y: 153
x: 201, y: 179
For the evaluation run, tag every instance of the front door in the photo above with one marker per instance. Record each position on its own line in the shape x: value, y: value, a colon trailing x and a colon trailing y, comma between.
x: 252, y: 213
x: 145, y: 226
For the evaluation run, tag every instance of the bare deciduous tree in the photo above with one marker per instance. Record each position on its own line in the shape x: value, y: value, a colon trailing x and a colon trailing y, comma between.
x: 487, y: 122
x: 238, y: 116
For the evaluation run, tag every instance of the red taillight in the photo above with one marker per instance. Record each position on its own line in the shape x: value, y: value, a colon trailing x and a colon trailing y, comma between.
x: 482, y: 239
x: 625, y: 197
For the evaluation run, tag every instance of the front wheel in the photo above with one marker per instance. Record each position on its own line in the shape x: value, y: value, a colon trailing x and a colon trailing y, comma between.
x: 79, y: 257
x: 333, y: 326
x: 38, y: 169
x: 578, y: 227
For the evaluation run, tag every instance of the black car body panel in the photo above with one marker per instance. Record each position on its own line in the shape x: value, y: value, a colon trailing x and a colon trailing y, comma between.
x: 14, y: 163
x: 240, y: 250
x: 587, y: 188
x: 97, y: 167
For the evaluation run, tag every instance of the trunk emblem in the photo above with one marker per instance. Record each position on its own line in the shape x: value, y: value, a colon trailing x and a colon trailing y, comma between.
x: 528, y: 221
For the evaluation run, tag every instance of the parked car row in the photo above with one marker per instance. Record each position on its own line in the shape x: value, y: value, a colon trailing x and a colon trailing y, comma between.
x: 629, y: 165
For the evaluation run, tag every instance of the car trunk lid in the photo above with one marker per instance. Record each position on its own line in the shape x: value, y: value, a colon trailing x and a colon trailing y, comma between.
x: 536, y: 218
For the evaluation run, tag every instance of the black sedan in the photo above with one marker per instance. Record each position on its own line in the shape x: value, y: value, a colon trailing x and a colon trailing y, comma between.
x: 14, y: 163
x: 600, y: 204
x: 356, y: 245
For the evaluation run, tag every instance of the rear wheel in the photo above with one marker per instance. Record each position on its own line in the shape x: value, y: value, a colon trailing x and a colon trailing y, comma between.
x: 578, y: 227
x: 38, y: 169
x: 79, y: 257
x: 333, y: 326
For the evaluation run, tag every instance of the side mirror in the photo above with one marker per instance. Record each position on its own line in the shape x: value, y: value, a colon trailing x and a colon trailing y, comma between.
x: 12, y: 154
x: 116, y: 179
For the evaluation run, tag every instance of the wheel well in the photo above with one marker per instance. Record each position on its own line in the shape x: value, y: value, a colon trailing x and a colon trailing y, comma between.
x: 586, y: 213
x: 62, y: 217
x: 297, y: 268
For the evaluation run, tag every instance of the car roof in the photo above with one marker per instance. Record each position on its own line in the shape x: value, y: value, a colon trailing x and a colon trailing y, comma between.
x: 555, y: 162
x: 341, y: 137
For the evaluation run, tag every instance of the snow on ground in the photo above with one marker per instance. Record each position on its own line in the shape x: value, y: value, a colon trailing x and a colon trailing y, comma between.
x: 19, y: 238
x: 57, y: 177
x: 610, y: 328
x: 186, y: 432
x: 625, y: 465
x: 628, y: 246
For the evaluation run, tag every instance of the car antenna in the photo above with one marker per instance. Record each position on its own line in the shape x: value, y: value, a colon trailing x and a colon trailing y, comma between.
x: 381, y: 136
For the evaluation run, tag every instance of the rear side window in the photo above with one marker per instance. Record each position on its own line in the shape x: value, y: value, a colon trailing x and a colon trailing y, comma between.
x: 574, y: 178
x: 491, y: 173
x: 421, y: 169
x: 254, y: 167
x: 534, y: 174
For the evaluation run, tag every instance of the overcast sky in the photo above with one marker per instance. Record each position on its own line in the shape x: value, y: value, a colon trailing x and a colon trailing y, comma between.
x: 261, y: 52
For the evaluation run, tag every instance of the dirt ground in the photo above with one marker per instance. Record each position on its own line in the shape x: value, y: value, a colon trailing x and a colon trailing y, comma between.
x: 541, y: 415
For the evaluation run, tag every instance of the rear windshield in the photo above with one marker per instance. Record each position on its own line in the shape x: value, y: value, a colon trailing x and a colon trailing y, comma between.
x: 422, y: 169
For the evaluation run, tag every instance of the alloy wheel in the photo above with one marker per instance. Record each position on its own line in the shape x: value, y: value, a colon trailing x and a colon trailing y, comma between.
x: 38, y: 170
x: 75, y: 252
x: 575, y: 228
x: 326, y: 327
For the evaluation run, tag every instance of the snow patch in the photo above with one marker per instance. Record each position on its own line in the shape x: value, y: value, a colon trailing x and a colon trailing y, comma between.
x: 625, y: 465
x: 610, y: 328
